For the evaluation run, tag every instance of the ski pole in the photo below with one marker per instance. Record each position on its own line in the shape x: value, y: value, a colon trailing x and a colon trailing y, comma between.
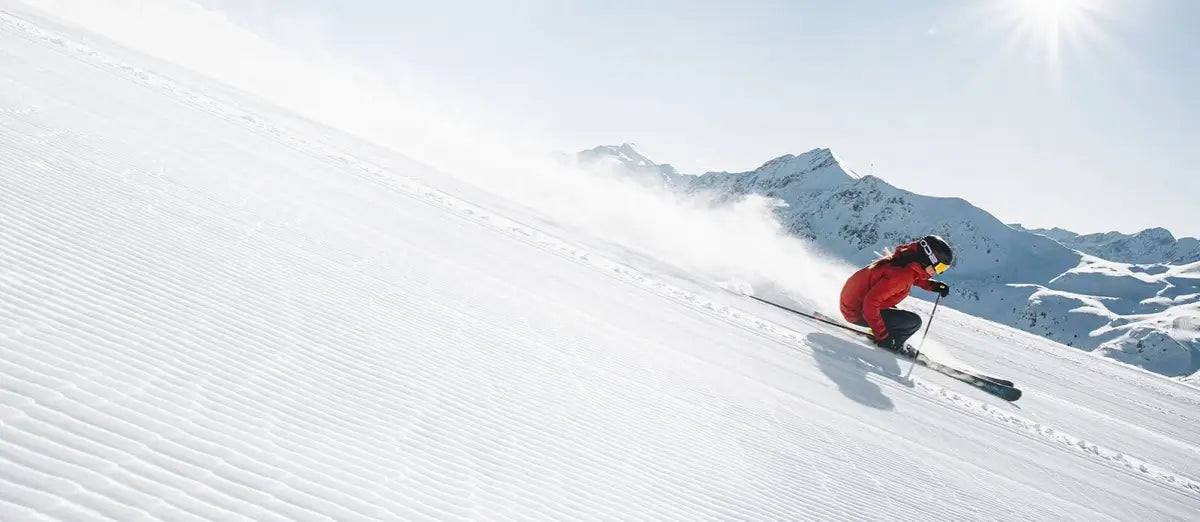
x: 930, y: 323
x: 814, y: 317
x: 924, y: 335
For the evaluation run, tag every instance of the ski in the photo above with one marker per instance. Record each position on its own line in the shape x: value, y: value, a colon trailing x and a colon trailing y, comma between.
x: 1002, y: 388
x: 1004, y: 391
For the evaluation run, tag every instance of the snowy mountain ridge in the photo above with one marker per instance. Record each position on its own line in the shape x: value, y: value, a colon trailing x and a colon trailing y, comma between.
x: 626, y: 160
x: 1145, y: 315
x: 1151, y: 246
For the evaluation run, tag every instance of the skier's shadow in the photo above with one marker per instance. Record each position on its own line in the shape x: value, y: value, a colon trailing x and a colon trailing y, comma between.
x: 847, y: 364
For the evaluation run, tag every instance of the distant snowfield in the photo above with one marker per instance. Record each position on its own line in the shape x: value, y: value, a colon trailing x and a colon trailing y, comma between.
x: 211, y: 310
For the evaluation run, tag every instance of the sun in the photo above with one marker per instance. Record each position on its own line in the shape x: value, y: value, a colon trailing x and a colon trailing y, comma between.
x: 1050, y: 27
x: 1051, y: 14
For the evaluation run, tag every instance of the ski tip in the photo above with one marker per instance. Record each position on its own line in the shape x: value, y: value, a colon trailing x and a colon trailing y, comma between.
x: 1007, y: 393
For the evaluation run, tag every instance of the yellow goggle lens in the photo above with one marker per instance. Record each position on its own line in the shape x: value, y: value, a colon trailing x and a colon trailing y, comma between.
x: 940, y: 267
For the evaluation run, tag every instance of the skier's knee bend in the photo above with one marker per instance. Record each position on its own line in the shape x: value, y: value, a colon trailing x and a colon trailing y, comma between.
x: 902, y: 323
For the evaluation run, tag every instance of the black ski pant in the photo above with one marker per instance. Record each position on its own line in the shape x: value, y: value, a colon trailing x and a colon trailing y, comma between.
x: 901, y: 324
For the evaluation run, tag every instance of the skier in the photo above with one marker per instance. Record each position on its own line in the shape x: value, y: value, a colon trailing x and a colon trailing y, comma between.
x: 870, y: 295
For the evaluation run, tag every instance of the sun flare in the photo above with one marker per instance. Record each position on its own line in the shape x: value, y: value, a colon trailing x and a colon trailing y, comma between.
x: 1051, y: 27
x: 1051, y: 13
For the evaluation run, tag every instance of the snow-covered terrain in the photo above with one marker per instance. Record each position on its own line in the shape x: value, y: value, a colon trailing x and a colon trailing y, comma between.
x: 1150, y: 246
x: 1145, y: 315
x: 213, y: 310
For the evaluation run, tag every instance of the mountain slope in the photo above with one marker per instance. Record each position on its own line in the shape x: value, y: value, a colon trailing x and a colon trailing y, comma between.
x: 209, y: 313
x: 1005, y: 274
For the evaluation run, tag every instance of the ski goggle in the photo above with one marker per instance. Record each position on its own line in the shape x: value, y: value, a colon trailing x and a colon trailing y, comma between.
x: 938, y: 266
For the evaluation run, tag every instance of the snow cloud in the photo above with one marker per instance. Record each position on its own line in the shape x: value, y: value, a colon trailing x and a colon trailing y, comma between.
x: 739, y: 244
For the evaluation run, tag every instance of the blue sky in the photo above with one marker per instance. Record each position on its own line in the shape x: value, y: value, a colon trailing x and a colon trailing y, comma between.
x: 1094, y: 131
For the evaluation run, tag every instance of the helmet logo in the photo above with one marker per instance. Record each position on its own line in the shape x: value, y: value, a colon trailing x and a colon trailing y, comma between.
x: 938, y: 266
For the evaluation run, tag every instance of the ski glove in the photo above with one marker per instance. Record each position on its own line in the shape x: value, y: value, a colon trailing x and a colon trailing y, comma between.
x: 939, y: 287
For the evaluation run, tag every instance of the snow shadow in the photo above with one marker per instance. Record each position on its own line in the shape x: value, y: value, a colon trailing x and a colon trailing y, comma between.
x: 847, y: 364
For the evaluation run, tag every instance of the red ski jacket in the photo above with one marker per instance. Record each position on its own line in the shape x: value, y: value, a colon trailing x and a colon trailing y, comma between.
x: 872, y: 289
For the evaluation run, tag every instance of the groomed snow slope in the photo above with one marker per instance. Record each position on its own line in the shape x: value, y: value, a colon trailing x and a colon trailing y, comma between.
x: 211, y: 311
